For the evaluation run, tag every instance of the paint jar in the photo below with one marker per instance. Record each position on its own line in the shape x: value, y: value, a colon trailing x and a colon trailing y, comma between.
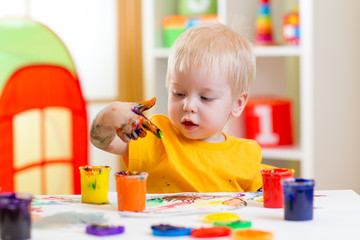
x: 272, y: 189
x: 15, y: 216
x: 298, y: 199
x: 131, y: 190
x: 94, y: 184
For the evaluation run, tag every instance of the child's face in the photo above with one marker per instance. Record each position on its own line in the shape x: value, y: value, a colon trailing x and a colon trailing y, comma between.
x: 199, y: 106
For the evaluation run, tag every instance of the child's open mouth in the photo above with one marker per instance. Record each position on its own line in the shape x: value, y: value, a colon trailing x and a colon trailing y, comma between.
x: 188, y: 125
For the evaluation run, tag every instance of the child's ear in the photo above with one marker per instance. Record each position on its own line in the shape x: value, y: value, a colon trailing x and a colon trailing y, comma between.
x: 239, y: 105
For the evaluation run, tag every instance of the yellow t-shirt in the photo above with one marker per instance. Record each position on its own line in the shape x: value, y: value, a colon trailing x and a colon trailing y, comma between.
x: 178, y: 164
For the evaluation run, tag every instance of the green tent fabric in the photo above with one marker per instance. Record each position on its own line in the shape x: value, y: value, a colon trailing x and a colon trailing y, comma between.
x: 25, y: 42
x: 43, y: 120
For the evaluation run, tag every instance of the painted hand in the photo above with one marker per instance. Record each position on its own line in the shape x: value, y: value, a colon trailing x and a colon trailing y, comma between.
x: 138, y: 125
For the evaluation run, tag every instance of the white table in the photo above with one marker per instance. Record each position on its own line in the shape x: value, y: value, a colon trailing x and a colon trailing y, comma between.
x: 336, y: 216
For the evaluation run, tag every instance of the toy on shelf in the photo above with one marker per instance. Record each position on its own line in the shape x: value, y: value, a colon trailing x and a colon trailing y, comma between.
x: 263, y: 27
x: 290, y: 28
x: 268, y: 121
x: 175, y: 25
x: 197, y: 7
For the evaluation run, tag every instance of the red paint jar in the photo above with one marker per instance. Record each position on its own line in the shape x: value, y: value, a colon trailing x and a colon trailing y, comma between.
x: 272, y: 189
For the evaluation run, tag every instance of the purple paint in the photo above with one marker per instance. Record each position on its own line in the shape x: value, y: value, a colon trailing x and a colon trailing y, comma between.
x: 15, y: 216
x: 298, y: 199
x: 104, y: 230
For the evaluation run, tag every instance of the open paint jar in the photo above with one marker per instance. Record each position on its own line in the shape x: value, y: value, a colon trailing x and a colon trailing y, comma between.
x: 131, y: 190
x: 15, y: 216
x: 298, y: 199
x: 272, y: 188
x: 94, y: 184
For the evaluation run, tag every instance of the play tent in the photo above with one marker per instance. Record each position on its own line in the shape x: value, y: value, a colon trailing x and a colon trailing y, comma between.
x: 43, y: 124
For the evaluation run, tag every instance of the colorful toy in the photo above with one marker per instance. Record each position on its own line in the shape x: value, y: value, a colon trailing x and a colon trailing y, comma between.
x: 263, y: 25
x: 197, y: 7
x: 268, y: 120
x: 175, y: 25
x: 290, y: 28
x: 43, y: 123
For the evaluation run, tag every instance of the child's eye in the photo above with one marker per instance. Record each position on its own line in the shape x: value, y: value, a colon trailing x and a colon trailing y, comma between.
x: 178, y: 94
x: 206, y: 98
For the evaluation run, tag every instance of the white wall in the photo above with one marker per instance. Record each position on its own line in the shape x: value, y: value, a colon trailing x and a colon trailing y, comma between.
x: 88, y: 28
x: 337, y: 94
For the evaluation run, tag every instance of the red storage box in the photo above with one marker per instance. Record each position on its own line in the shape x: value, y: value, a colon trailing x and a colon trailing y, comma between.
x: 269, y: 121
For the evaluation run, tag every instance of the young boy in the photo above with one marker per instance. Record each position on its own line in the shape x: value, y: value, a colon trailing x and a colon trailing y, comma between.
x: 210, y: 69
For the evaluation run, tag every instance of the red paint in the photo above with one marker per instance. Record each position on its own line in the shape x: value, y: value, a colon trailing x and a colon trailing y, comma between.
x: 210, y: 232
x: 272, y: 189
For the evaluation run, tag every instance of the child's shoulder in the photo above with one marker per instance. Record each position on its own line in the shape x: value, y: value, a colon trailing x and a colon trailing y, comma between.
x: 160, y: 119
x: 244, y: 143
x: 162, y: 122
x: 241, y: 140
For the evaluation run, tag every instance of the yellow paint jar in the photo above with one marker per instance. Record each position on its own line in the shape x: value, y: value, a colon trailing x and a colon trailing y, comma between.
x: 94, y: 184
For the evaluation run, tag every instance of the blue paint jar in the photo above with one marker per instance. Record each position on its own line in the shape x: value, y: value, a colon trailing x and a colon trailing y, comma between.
x: 298, y: 198
x: 15, y: 216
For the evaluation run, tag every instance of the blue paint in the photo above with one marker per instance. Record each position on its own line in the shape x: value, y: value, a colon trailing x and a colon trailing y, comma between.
x: 167, y: 230
x: 298, y: 199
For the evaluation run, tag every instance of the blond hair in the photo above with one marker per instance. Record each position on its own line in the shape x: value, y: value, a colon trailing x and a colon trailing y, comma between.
x: 215, y: 47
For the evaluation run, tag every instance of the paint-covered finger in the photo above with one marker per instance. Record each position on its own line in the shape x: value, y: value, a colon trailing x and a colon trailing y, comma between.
x: 142, y: 133
x: 133, y: 136
x: 123, y: 136
x: 148, y: 125
x: 145, y: 105
x: 125, y: 131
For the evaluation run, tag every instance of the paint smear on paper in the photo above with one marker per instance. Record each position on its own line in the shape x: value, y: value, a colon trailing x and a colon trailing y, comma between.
x: 66, y: 219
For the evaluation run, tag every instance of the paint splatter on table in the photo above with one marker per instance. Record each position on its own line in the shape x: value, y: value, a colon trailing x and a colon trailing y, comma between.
x: 45, y: 207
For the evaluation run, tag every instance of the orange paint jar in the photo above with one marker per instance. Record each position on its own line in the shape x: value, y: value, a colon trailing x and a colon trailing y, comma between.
x: 131, y: 190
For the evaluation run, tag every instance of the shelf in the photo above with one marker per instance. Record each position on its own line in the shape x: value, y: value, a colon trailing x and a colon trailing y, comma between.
x: 277, y: 51
x: 260, y: 51
x: 282, y: 153
x: 281, y: 69
x: 161, y: 52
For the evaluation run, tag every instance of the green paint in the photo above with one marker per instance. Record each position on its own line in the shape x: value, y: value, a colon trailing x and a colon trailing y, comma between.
x: 93, y: 185
x: 160, y: 134
x: 37, y: 203
x: 152, y: 202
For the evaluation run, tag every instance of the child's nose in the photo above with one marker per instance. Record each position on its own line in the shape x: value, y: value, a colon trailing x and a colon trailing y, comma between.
x: 190, y: 105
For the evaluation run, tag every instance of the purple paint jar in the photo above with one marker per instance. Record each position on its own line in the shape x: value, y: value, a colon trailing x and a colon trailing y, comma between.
x: 298, y: 198
x: 15, y: 216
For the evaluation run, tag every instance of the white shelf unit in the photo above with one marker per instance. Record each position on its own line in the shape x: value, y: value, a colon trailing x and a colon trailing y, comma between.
x: 272, y: 65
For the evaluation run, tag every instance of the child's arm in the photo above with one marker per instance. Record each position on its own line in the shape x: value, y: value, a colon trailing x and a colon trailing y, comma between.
x: 114, y: 127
